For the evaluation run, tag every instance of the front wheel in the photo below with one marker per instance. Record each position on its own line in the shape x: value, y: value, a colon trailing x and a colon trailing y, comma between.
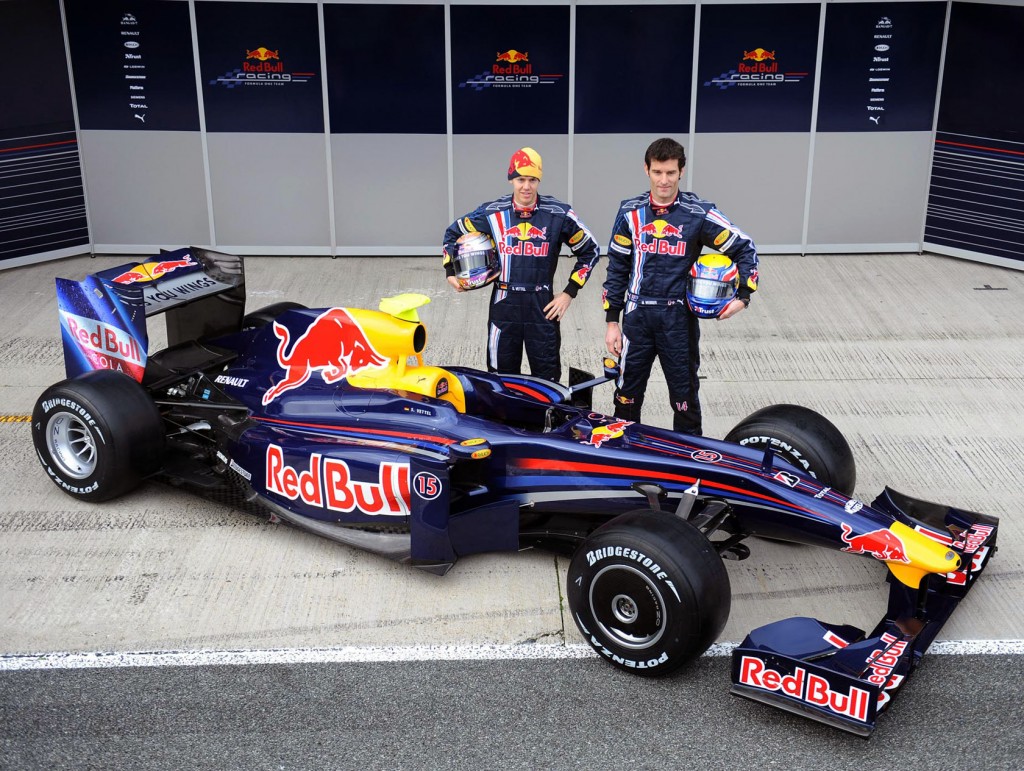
x: 97, y: 435
x: 648, y: 592
x: 804, y: 438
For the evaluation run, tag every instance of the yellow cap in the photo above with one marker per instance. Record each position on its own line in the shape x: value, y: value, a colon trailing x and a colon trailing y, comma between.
x: 525, y: 163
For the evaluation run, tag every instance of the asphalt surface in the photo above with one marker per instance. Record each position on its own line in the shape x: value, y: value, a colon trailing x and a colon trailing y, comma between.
x: 956, y: 712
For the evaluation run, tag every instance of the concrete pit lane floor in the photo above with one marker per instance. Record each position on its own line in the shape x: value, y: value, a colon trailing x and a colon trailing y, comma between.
x: 918, y: 359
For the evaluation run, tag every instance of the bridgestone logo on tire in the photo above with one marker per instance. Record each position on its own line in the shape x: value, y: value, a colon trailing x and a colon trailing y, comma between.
x: 629, y: 554
x: 784, y: 446
x: 75, y: 407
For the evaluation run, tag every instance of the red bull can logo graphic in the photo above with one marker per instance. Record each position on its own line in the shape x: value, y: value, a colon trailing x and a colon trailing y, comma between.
x: 333, y: 345
x: 151, y: 271
x: 881, y: 544
x: 327, y: 484
x: 602, y: 434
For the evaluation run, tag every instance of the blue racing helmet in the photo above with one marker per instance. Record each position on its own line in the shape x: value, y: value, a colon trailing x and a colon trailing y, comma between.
x: 476, y: 260
x: 714, y: 280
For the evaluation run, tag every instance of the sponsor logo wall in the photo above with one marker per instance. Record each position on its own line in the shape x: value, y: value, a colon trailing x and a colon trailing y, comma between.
x: 261, y: 71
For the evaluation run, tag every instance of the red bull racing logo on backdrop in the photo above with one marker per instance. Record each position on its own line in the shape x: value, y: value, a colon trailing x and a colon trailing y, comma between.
x: 757, y: 67
x: 333, y: 345
x: 261, y: 66
x: 510, y: 69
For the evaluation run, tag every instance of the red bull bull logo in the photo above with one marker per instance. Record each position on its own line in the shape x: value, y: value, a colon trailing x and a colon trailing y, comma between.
x: 512, y: 56
x: 519, y: 240
x: 760, y: 59
x: 602, y: 434
x: 759, y: 55
x: 327, y: 484
x: 881, y: 544
x: 150, y: 271
x: 581, y: 275
x: 524, y: 231
x: 333, y: 345
x: 262, y: 54
x: 660, y: 229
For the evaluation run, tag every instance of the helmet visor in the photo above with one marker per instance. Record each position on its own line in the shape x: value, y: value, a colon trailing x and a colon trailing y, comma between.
x: 710, y: 290
x: 469, y: 261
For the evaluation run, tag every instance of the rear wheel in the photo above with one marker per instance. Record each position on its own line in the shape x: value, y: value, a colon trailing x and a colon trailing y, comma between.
x: 804, y: 438
x: 97, y: 435
x: 648, y: 592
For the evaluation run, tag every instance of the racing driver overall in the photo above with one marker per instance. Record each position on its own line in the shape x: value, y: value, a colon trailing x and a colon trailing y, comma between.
x: 649, y: 257
x: 528, y: 243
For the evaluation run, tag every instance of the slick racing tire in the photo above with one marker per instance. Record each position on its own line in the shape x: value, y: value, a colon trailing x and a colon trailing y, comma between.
x: 804, y: 438
x: 263, y: 316
x: 98, y: 435
x: 648, y: 592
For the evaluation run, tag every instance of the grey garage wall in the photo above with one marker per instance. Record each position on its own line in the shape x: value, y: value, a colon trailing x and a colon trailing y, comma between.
x: 386, y: 131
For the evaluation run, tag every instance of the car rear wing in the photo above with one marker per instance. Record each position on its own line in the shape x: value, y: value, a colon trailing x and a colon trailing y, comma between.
x: 103, y: 317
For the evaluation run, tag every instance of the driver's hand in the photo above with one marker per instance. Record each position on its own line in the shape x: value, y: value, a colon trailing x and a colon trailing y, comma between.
x: 455, y: 284
x: 556, y: 309
x: 732, y: 309
x: 613, y: 339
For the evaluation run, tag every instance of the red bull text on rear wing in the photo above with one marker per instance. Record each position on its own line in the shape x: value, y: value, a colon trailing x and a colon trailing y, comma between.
x: 103, y: 317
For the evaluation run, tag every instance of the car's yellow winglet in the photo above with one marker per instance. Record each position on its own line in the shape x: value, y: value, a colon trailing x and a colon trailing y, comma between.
x: 403, y: 306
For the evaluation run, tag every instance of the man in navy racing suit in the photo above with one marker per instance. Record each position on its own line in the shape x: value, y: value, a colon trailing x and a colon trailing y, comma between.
x: 655, y: 240
x: 528, y: 230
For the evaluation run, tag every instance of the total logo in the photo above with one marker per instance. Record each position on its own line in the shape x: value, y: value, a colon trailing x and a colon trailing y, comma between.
x: 327, y: 484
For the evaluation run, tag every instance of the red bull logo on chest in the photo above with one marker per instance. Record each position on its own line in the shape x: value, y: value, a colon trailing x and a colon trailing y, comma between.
x: 333, y: 345
x: 518, y: 240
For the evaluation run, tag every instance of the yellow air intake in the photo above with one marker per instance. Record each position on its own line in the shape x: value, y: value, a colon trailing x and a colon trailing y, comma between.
x: 924, y: 554
x: 395, y: 332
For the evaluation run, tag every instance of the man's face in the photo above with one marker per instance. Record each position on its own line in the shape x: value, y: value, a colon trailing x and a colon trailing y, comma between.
x: 664, y: 176
x: 524, y: 190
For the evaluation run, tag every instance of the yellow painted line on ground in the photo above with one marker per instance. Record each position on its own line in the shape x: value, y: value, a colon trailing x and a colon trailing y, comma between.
x: 15, y: 418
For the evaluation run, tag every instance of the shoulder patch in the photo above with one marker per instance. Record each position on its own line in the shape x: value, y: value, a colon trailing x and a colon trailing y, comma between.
x: 722, y: 237
x: 576, y: 237
x: 622, y: 240
x: 468, y: 224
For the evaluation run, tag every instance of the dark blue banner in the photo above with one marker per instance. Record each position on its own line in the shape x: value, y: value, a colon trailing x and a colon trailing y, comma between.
x: 133, y: 65
x: 755, y: 69
x: 386, y: 69
x: 260, y: 67
x: 42, y: 204
x: 880, y: 68
x: 510, y: 69
x: 634, y: 69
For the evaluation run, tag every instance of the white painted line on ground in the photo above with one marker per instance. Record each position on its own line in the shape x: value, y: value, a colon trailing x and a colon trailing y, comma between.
x: 356, y: 654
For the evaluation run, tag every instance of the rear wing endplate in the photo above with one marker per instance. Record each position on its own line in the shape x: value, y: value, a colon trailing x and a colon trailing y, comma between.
x: 103, y: 317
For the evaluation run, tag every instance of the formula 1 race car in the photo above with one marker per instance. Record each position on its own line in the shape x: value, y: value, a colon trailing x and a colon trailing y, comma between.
x: 330, y: 420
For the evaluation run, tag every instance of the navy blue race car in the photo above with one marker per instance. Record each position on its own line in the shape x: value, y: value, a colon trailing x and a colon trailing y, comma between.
x: 330, y: 420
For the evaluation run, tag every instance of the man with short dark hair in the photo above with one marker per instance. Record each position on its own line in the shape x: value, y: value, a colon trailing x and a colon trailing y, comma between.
x: 656, y: 238
x: 528, y: 229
